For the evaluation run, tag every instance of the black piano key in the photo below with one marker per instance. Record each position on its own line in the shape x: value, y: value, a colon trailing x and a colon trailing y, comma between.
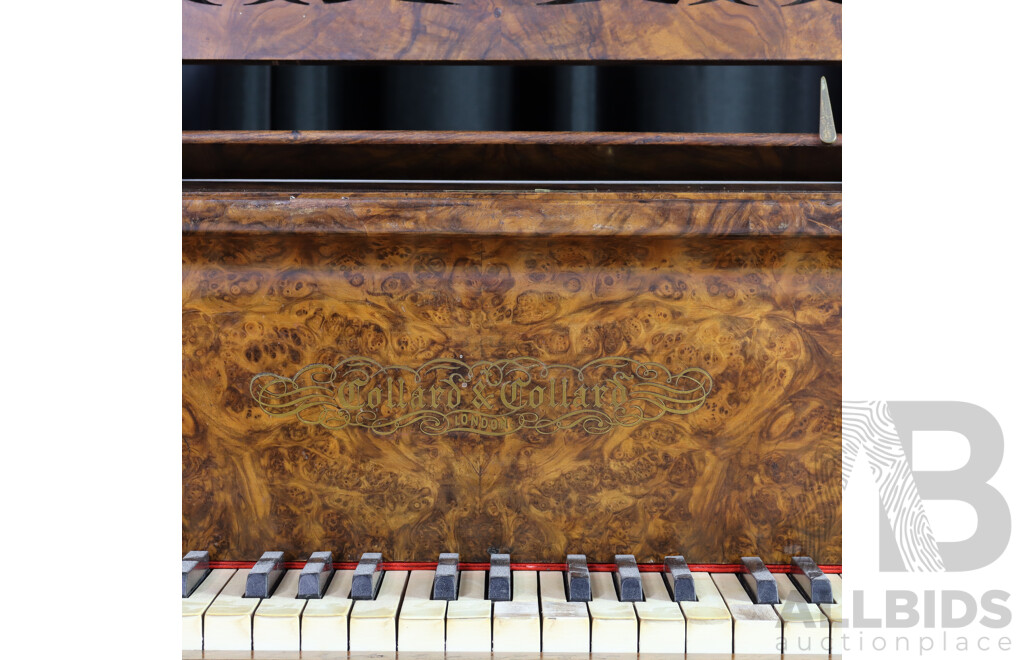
x: 499, y: 580
x: 628, y: 578
x: 265, y: 575
x: 811, y: 581
x: 195, y: 566
x: 759, y: 581
x: 316, y: 574
x: 366, y: 579
x: 578, y: 577
x: 680, y: 580
x: 446, y: 577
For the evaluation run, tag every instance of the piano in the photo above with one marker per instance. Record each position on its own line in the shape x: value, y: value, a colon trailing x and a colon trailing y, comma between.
x: 503, y: 392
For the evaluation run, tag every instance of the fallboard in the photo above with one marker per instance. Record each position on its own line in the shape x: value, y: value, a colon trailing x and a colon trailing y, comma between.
x: 540, y: 370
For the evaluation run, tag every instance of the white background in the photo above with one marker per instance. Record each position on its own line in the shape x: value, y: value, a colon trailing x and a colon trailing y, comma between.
x: 932, y: 255
x: 91, y: 277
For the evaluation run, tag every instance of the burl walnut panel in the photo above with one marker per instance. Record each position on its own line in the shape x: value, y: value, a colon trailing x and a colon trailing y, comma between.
x: 755, y: 470
x: 512, y: 30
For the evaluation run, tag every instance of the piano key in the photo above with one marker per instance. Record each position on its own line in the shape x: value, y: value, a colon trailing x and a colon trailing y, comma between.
x: 812, y: 582
x: 756, y: 626
x: 446, y: 577
x: 499, y: 580
x: 316, y: 574
x: 613, y: 626
x: 373, y: 624
x: 805, y: 629
x: 565, y: 625
x: 195, y: 566
x: 468, y: 622
x: 366, y: 579
x: 517, y: 621
x: 708, y: 620
x: 834, y: 612
x: 265, y: 575
x: 325, y: 619
x: 759, y: 581
x: 275, y: 625
x: 421, y: 618
x: 227, y: 624
x: 662, y: 626
x: 578, y: 577
x: 194, y: 606
x: 627, y: 579
x: 680, y: 580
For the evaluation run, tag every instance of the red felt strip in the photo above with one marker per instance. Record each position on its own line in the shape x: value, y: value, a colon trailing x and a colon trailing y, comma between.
x: 483, y: 566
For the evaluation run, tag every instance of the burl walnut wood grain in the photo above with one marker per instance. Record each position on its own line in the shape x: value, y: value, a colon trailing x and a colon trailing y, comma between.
x: 512, y: 30
x: 757, y: 470
x: 666, y: 213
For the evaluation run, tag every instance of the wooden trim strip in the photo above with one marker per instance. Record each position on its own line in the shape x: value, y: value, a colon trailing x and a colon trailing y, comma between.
x: 606, y: 138
x: 480, y: 156
x: 515, y: 213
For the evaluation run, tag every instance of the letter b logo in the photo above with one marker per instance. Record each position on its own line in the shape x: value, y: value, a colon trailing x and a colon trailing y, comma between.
x: 883, y: 431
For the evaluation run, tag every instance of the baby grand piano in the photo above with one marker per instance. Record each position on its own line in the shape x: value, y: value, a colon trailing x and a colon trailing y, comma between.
x: 511, y: 392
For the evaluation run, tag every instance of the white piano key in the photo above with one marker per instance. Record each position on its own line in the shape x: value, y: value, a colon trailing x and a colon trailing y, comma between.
x: 373, y: 624
x: 193, y: 607
x: 804, y: 627
x: 517, y: 621
x: 834, y: 612
x: 421, y: 619
x: 468, y: 622
x: 566, y: 626
x: 613, y: 627
x: 708, y: 620
x: 756, y: 627
x: 227, y: 624
x: 662, y: 626
x: 325, y: 619
x: 275, y: 625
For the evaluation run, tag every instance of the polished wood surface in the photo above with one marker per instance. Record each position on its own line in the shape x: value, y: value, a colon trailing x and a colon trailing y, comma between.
x: 496, y: 155
x: 517, y: 30
x: 290, y: 208
x: 745, y: 286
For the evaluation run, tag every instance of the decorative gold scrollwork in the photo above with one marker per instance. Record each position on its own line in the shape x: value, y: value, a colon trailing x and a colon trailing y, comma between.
x: 496, y: 397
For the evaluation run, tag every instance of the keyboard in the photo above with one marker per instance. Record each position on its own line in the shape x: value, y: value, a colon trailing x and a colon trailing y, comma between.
x: 502, y: 607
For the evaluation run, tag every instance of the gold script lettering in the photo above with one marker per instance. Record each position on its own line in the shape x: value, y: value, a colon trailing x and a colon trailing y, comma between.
x: 596, y: 397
